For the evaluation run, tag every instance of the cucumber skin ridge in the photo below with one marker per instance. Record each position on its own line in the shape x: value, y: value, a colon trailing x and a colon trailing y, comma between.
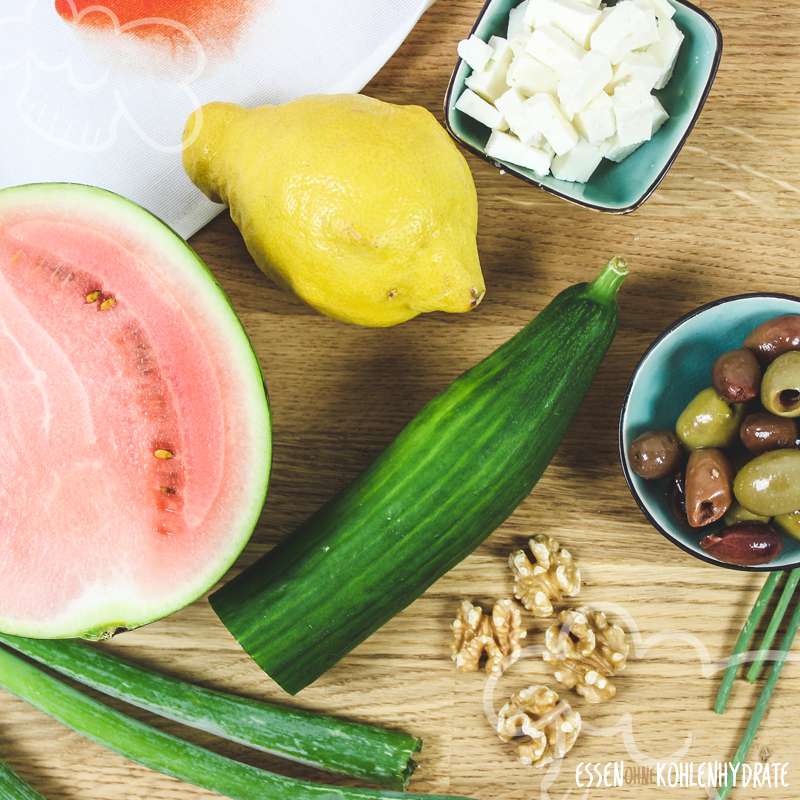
x: 451, y: 477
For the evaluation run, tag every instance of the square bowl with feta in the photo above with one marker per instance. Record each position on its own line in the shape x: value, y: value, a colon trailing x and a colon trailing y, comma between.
x: 591, y: 100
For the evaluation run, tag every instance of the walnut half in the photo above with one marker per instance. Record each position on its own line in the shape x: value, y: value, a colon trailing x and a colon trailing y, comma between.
x: 551, y: 576
x: 494, y: 640
x: 547, y: 726
x: 585, y: 651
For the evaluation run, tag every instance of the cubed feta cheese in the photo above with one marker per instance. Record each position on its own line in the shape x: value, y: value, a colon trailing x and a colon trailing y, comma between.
x: 577, y: 89
x: 596, y: 122
x: 660, y: 115
x: 623, y: 28
x: 592, y: 3
x: 516, y: 21
x: 502, y: 48
x: 476, y: 107
x: 490, y: 82
x: 530, y: 76
x: 520, y: 117
x: 475, y: 52
x: 639, y: 67
x: 579, y: 163
x: 663, y: 9
x: 536, y: 13
x: 646, y: 33
x: 505, y: 147
x: 555, y: 49
x: 665, y: 50
x: 634, y: 113
x: 574, y: 18
x: 614, y: 151
x: 555, y: 127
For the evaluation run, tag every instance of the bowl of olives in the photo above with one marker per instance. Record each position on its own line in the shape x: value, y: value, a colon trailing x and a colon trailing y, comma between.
x: 710, y: 432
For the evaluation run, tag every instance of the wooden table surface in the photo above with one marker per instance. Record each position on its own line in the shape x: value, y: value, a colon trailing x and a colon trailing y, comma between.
x: 724, y: 221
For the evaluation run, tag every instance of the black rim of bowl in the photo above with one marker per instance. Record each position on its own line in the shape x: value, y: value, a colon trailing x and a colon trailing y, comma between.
x: 555, y: 192
x: 621, y: 437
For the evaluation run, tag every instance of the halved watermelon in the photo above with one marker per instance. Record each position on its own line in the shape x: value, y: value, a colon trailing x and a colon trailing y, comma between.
x: 134, y: 425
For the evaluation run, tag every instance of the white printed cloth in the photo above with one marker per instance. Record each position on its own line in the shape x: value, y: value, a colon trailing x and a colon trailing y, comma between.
x: 98, y: 91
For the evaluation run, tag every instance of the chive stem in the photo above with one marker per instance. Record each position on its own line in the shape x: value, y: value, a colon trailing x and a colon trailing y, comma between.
x: 12, y: 787
x: 774, y: 624
x: 745, y: 637
x: 764, y: 698
x: 161, y: 751
x: 606, y: 285
x: 373, y: 754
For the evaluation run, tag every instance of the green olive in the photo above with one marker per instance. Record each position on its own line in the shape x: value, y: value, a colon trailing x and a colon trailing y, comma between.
x: 780, y: 389
x: 738, y: 513
x: 709, y: 421
x: 770, y: 483
x: 789, y: 523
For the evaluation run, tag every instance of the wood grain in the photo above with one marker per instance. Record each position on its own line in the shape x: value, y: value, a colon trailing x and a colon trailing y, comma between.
x: 724, y: 221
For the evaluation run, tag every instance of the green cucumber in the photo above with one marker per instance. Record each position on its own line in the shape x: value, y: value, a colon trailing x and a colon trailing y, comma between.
x: 12, y: 787
x: 372, y: 754
x: 456, y: 472
x: 162, y: 751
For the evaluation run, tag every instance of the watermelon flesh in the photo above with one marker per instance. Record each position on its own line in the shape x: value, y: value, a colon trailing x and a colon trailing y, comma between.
x: 134, y: 424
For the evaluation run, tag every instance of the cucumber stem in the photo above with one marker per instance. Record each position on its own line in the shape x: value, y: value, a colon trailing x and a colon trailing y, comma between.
x: 774, y: 624
x: 605, y: 286
x: 745, y: 637
x: 372, y: 754
x: 161, y: 751
x: 12, y: 787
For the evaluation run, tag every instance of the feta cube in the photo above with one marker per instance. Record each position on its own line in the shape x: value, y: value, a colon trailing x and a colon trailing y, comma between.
x: 490, y: 82
x: 582, y: 85
x: 530, y: 76
x: 639, y: 67
x: 660, y: 115
x: 596, y: 122
x: 476, y: 107
x: 614, y: 151
x: 579, y: 163
x: 520, y: 117
x: 502, y: 48
x: 505, y: 147
x: 663, y: 9
x: 574, y: 18
x: 665, y: 50
x: 555, y: 49
x: 634, y: 113
x: 536, y: 13
x: 592, y: 3
x: 475, y: 52
x: 623, y: 28
x: 516, y: 21
x: 555, y: 127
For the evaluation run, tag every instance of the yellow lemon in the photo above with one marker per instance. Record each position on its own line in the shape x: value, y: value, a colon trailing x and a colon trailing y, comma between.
x: 365, y: 209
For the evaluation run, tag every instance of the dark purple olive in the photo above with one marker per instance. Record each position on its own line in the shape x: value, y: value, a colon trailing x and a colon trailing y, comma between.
x: 774, y: 337
x: 677, y: 496
x: 709, y: 486
x: 761, y: 432
x: 745, y: 544
x: 737, y: 376
x: 655, y: 454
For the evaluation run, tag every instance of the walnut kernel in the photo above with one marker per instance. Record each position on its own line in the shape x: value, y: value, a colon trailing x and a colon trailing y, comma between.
x: 494, y: 640
x: 551, y: 576
x: 547, y: 725
x: 585, y: 651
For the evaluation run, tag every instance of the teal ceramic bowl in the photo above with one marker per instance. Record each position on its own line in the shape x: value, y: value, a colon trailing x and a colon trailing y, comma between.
x: 617, y: 188
x: 674, y: 369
